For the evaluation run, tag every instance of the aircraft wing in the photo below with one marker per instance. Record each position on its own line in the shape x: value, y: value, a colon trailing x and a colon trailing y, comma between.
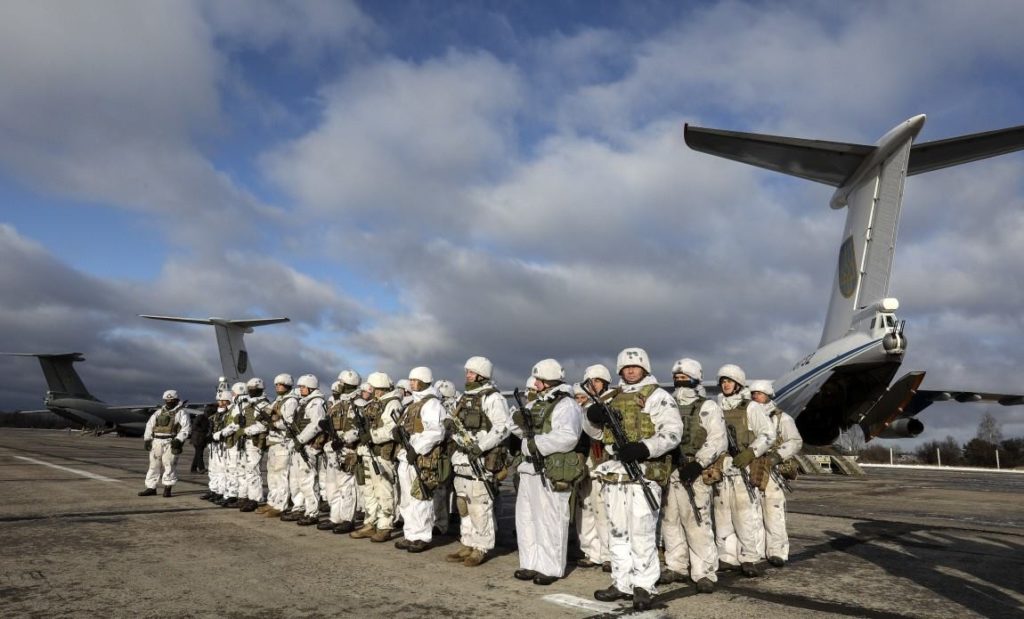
x: 926, y: 397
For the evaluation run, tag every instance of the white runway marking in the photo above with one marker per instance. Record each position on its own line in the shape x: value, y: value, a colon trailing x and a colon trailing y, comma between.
x: 572, y: 601
x: 69, y: 470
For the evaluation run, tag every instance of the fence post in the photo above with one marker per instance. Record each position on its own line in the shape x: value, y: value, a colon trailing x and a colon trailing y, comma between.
x: 997, y: 458
x: 890, y: 457
x: 938, y: 456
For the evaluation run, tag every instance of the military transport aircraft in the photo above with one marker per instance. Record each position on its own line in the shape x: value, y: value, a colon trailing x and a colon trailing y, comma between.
x: 68, y: 397
x: 846, y: 381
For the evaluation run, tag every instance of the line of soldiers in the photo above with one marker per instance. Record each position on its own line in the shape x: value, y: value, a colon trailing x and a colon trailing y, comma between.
x: 635, y: 467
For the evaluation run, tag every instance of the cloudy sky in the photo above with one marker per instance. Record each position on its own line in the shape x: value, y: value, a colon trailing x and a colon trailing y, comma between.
x: 414, y: 183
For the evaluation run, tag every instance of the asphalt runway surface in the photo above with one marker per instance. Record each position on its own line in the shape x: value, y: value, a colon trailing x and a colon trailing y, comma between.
x: 77, y: 541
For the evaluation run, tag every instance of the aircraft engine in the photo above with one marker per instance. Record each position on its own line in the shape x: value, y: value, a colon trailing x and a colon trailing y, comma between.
x: 907, y: 427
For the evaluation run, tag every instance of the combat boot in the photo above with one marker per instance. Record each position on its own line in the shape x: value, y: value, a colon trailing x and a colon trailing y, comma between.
x: 343, y: 527
x: 325, y: 525
x: 776, y: 561
x: 167, y: 491
x: 641, y: 599
x: 750, y: 570
x: 291, y: 516
x: 233, y: 502
x: 206, y: 496
x: 586, y: 563
x: 704, y: 585
x: 307, y: 521
x: 459, y: 556
x: 250, y: 506
x: 544, y: 580
x: 367, y: 530
x: 403, y: 544
x: 262, y: 509
x: 524, y: 574
x: 272, y: 512
x: 606, y: 567
x: 148, y: 492
x: 611, y: 594
x: 418, y: 546
x: 381, y: 536
x: 475, y: 558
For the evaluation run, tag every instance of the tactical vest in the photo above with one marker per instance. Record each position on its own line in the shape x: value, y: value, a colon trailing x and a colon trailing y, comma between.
x: 341, y: 416
x: 694, y: 434
x: 435, y: 465
x: 165, y: 425
x: 736, y: 419
x: 301, y: 420
x: 259, y: 440
x: 563, y: 469
x: 374, y: 414
x: 637, y: 425
x: 470, y: 410
x: 411, y: 420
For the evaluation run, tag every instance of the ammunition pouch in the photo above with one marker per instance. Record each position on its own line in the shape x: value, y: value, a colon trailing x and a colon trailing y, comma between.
x: 714, y: 472
x: 564, y: 469
x: 495, y: 460
x: 761, y: 472
x: 360, y: 472
x: 318, y: 441
x: 659, y: 470
x: 435, y: 471
x: 384, y: 451
x: 788, y: 469
x: 349, y: 462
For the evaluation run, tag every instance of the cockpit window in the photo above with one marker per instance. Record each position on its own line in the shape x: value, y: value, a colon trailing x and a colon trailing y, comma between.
x: 890, y: 321
x: 872, y: 324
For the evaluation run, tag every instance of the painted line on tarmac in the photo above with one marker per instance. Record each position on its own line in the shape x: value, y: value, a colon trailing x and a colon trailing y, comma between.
x: 69, y: 470
x: 572, y: 601
x: 107, y: 514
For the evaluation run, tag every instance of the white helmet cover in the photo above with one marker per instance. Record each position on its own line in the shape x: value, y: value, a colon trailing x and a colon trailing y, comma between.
x: 254, y: 383
x: 308, y: 380
x: 445, y: 388
x: 764, y: 386
x: 633, y: 356
x: 422, y: 374
x: 170, y: 394
x: 734, y: 373
x: 548, y: 370
x: 225, y: 396
x: 284, y: 379
x: 349, y: 377
x: 379, y: 380
x: 238, y: 388
x: 690, y: 367
x: 336, y: 386
x: 481, y: 366
x: 597, y: 371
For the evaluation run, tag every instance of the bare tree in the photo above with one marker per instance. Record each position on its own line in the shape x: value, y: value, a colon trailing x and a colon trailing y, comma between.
x: 990, y: 429
x: 851, y: 440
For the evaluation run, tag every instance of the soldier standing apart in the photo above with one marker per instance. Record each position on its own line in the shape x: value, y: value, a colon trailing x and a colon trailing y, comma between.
x: 307, y: 424
x: 739, y: 527
x: 423, y: 421
x: 216, y: 487
x: 340, y: 454
x: 479, y: 426
x: 592, y: 519
x: 166, y: 431
x: 689, y: 545
x: 279, y: 445
x: 550, y: 429
x: 377, y: 447
x: 786, y: 445
x: 651, y: 423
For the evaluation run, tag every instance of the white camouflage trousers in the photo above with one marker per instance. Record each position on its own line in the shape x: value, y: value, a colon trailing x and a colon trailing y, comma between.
x: 632, y: 536
x: 341, y: 491
x: 232, y: 472
x: 417, y: 515
x: 689, y: 547
x: 251, y: 478
x: 476, y: 513
x: 739, y: 528
x: 215, y: 469
x: 773, y: 503
x: 302, y: 482
x: 542, y: 526
x: 379, y: 494
x: 592, y: 521
x: 278, y: 462
x: 160, y: 457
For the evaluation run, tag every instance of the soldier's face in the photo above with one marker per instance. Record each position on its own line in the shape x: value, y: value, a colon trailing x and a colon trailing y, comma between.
x: 280, y: 389
x: 472, y: 377
x: 417, y: 385
x: 728, y: 386
x: 632, y: 374
x: 759, y: 397
x: 598, y: 385
x: 304, y: 390
x: 582, y: 399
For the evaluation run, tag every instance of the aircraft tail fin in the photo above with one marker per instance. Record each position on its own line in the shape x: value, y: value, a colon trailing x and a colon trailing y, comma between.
x: 234, y: 358
x: 869, y: 181
x: 61, y: 378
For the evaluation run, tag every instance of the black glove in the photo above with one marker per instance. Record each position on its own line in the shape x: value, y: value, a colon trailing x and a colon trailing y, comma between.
x: 449, y: 426
x: 519, y: 419
x: 690, y: 472
x: 410, y: 456
x: 337, y: 444
x: 396, y: 435
x: 325, y: 424
x: 148, y: 444
x: 597, y: 415
x: 634, y: 452
x: 775, y: 458
x: 175, y: 446
x: 743, y: 458
x: 365, y: 438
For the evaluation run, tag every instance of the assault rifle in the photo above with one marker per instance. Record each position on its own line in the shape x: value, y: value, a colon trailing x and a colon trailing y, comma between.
x: 327, y: 425
x: 289, y: 429
x: 240, y: 445
x: 779, y: 479
x: 364, y: 428
x: 632, y: 468
x: 474, y: 463
x: 734, y: 450
x: 528, y: 434
x: 406, y: 440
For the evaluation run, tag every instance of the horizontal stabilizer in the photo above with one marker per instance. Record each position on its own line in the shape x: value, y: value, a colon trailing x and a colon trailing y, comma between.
x: 926, y: 397
x: 832, y: 163
x: 940, y: 154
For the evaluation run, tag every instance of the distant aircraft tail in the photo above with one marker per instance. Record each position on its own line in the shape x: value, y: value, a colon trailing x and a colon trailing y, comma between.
x: 869, y: 181
x: 234, y: 359
x: 62, y: 380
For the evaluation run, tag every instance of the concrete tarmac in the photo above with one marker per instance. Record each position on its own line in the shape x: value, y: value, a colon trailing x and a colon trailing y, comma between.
x: 77, y: 541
